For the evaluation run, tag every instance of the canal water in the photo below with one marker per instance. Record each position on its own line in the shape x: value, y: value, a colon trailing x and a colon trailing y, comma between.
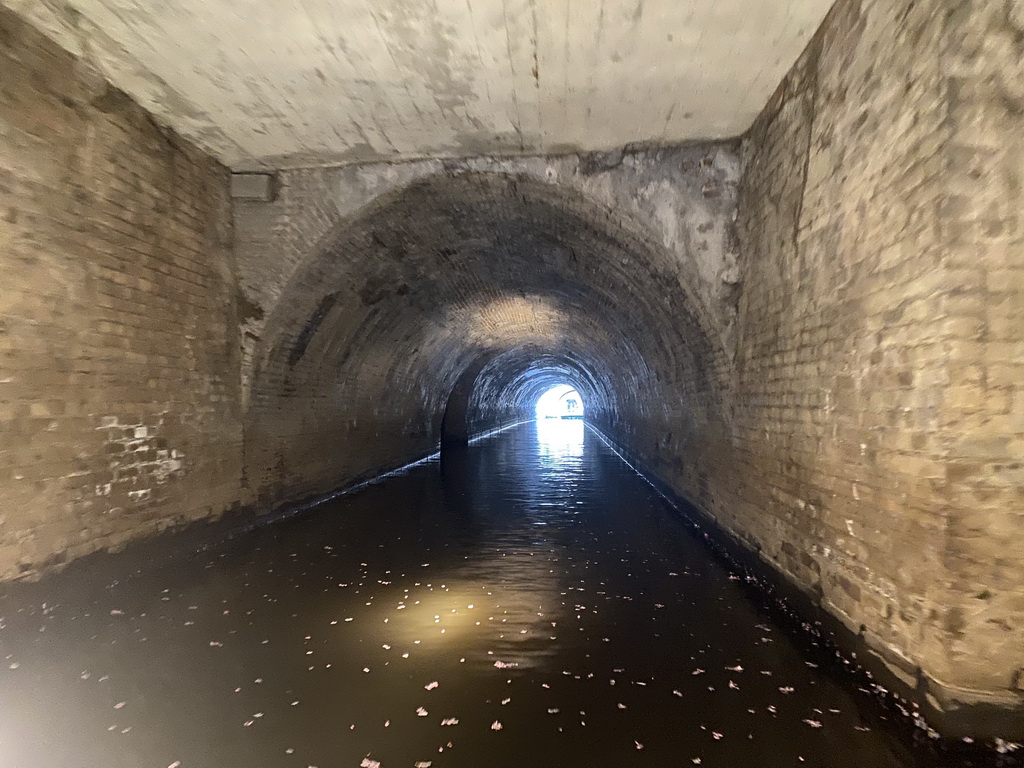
x: 536, y: 605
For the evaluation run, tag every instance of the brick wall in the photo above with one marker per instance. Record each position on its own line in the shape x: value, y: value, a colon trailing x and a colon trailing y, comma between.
x: 982, y: 229
x: 845, y: 399
x: 877, y: 411
x: 119, y: 395
x: 373, y: 288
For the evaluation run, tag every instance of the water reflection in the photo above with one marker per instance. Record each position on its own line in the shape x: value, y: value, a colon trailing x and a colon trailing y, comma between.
x: 560, y: 439
x: 535, y: 605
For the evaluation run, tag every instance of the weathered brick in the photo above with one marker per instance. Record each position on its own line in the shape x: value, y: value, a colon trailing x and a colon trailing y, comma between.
x: 835, y: 377
x: 924, y: 203
x: 117, y: 309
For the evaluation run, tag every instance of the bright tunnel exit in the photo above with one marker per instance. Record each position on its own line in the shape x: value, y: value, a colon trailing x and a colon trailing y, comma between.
x: 561, y: 402
x: 560, y: 424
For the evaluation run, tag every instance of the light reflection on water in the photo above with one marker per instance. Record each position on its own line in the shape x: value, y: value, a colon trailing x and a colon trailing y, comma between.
x: 536, y: 580
x: 559, y: 440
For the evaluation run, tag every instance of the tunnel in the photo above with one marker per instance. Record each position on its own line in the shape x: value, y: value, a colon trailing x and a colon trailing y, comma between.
x: 483, y: 290
x: 284, y: 293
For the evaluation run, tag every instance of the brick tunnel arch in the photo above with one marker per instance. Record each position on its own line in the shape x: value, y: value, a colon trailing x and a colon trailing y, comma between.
x: 502, y: 389
x: 476, y: 292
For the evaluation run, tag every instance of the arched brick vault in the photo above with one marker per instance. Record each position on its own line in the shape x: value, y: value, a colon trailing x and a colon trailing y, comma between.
x: 526, y: 282
x: 502, y: 388
x: 509, y: 385
x: 869, y: 444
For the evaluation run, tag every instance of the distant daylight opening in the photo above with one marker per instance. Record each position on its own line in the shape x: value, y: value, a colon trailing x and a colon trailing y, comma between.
x: 561, y: 402
x: 560, y: 424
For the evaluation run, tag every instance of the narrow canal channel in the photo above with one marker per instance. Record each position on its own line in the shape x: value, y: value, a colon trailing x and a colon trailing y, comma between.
x: 538, y: 605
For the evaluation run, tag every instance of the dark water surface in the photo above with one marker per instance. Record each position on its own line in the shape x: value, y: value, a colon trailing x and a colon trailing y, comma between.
x: 542, y: 599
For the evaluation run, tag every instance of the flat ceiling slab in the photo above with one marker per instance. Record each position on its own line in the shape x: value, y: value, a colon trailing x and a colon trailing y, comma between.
x: 286, y: 83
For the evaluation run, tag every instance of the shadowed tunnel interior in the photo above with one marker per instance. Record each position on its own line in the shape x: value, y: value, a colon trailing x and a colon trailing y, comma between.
x: 251, y: 264
x: 451, y: 306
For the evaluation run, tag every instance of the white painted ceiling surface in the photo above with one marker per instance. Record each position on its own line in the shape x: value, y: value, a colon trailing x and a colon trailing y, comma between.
x: 286, y: 83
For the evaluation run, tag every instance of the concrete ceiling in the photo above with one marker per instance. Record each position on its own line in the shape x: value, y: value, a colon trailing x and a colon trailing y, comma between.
x: 285, y: 83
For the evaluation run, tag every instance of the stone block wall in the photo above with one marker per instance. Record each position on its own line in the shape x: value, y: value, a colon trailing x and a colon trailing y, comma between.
x: 877, y: 407
x: 119, y: 391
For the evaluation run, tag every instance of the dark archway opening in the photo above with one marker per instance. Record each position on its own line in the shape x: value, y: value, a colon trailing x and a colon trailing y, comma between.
x: 455, y: 426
